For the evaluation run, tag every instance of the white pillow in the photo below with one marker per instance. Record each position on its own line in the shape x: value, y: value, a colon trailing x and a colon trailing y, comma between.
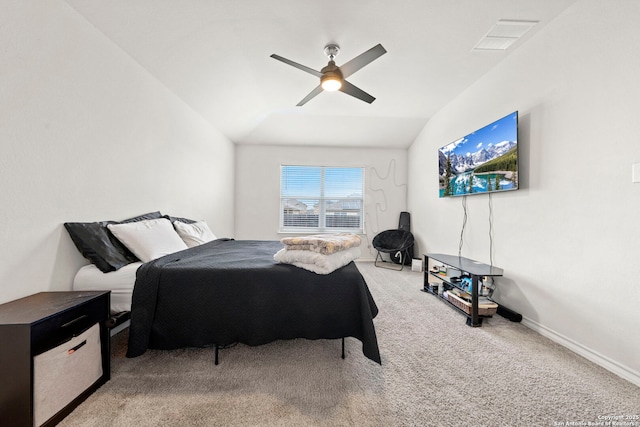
x: 148, y: 239
x: 194, y: 234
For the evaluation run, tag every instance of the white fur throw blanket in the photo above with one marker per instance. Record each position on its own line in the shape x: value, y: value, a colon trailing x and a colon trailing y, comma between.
x: 317, y: 262
x: 325, y: 244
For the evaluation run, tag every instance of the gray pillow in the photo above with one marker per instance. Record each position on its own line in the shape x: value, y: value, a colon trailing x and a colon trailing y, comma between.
x: 96, y: 243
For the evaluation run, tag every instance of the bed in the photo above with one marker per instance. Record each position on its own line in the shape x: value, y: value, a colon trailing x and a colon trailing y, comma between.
x: 228, y: 291
x: 183, y: 287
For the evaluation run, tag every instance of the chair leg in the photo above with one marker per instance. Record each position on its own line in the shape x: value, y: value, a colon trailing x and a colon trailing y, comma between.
x: 375, y: 262
x: 383, y: 263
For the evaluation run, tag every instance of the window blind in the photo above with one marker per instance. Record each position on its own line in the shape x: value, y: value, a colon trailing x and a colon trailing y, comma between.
x: 321, y: 199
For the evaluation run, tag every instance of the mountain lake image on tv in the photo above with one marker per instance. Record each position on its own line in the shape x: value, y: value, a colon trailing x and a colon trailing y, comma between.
x: 485, y: 161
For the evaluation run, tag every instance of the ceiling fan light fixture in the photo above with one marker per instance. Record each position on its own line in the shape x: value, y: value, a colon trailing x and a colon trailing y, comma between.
x: 331, y: 83
x: 331, y: 79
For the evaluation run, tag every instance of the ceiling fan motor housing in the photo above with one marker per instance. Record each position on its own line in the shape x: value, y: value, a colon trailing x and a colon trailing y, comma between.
x: 331, y: 77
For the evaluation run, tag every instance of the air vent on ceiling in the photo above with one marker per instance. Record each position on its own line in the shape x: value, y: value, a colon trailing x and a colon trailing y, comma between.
x: 503, y: 34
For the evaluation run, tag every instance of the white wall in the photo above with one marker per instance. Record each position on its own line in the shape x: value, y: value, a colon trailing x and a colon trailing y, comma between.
x: 86, y: 134
x: 258, y: 186
x: 568, y: 240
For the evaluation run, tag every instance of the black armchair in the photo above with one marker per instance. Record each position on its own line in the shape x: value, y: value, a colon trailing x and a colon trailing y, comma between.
x: 397, y: 243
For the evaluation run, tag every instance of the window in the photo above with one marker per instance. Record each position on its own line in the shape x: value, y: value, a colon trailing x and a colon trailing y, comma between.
x: 321, y: 199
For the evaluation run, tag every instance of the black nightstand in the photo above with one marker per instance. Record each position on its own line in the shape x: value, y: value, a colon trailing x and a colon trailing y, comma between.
x: 54, y: 352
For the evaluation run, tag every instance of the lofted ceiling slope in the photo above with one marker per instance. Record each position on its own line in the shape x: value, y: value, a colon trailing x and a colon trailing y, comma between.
x: 215, y: 56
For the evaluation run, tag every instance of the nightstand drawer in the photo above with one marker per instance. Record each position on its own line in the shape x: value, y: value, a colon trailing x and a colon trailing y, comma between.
x: 54, y: 352
x: 64, y: 372
x: 55, y: 330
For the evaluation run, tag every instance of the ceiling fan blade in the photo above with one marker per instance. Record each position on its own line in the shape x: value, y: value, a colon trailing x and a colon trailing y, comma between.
x: 313, y: 93
x: 354, y: 91
x: 298, y: 66
x: 361, y: 60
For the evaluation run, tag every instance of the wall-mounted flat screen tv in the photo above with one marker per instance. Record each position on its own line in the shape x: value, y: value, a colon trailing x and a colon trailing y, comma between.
x: 485, y: 161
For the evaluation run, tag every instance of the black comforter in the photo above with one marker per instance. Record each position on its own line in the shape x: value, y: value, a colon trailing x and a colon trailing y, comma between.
x: 228, y: 291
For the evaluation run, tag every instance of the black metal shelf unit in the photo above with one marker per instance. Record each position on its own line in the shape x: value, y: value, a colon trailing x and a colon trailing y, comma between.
x: 474, y: 269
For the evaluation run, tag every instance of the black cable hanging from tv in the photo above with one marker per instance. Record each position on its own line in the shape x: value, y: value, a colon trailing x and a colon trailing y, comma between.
x: 493, y: 285
x: 490, y: 231
x: 464, y: 223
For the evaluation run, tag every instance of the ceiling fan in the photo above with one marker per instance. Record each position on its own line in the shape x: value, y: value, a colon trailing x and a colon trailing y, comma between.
x: 332, y: 77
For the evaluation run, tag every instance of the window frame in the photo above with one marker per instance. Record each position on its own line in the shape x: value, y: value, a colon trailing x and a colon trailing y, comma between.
x: 322, y: 199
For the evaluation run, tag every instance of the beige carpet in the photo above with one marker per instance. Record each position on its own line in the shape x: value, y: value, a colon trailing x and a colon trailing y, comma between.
x: 436, y: 371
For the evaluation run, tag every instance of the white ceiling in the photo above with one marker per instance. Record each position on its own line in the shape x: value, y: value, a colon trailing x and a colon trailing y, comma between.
x: 214, y: 55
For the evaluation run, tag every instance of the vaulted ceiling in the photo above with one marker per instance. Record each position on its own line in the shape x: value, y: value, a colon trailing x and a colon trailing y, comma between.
x: 215, y: 56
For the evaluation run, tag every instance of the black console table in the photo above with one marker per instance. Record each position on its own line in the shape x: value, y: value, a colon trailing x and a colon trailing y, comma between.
x: 476, y: 270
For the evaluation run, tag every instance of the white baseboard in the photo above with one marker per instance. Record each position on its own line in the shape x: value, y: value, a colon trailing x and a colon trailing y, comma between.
x: 589, y: 354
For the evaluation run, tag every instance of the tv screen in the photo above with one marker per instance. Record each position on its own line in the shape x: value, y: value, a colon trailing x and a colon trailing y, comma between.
x: 485, y: 161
